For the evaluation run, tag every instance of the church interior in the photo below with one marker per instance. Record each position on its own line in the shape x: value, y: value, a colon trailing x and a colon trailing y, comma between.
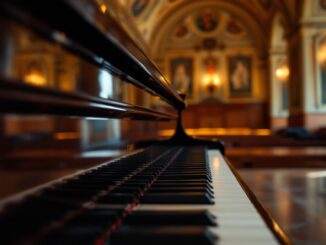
x: 253, y: 73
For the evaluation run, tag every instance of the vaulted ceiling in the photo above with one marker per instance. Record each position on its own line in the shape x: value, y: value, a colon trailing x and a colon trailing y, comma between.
x: 156, y: 19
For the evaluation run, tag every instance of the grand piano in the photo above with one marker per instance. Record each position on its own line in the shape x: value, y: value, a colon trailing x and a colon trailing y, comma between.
x: 73, y: 81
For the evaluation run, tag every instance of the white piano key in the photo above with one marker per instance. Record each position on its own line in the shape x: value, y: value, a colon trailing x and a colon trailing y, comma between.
x: 238, y: 220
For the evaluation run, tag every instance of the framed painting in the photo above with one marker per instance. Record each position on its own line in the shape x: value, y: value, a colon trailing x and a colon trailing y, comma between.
x: 206, y: 20
x: 182, y: 74
x: 240, y: 76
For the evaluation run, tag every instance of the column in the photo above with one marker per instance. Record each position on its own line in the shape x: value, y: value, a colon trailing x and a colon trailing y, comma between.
x: 305, y: 109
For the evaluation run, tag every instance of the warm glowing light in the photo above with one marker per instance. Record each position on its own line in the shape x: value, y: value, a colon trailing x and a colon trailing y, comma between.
x: 103, y: 8
x: 66, y: 135
x: 211, y: 79
x: 211, y: 82
x: 322, y: 55
x: 35, y: 78
x: 216, y: 80
x: 282, y: 73
x: 206, y: 80
x: 219, y: 131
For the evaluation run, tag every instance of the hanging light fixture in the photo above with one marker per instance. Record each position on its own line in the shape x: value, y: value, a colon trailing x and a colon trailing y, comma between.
x: 212, y: 82
x: 211, y: 79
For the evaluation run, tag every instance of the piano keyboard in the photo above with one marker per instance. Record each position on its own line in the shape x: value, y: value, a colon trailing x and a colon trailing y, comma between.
x: 180, y: 195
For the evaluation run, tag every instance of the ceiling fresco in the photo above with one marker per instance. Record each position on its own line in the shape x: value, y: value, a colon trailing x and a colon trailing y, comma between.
x: 208, y: 27
x: 146, y: 13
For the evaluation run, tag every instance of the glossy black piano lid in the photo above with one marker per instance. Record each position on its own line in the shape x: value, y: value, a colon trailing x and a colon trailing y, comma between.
x: 83, y: 28
x: 38, y: 76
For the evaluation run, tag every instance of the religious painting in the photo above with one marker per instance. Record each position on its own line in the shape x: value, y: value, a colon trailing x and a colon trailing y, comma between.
x: 322, y: 4
x: 206, y: 20
x: 240, y: 76
x: 182, y: 75
x: 233, y: 27
x: 181, y: 30
x: 139, y: 6
x: 211, y: 63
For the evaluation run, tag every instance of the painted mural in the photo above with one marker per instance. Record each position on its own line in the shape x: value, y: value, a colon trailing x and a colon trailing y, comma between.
x: 240, y: 76
x: 210, y: 64
x: 181, y: 30
x: 234, y: 28
x: 182, y: 74
x: 206, y: 20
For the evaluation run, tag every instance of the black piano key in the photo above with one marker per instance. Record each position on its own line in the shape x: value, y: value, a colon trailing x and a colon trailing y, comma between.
x: 177, y: 198
x: 182, y: 176
x: 183, y: 182
x: 173, y: 218
x: 180, y: 190
x: 130, y: 189
x: 163, y: 235
x: 20, y: 226
x: 171, y: 183
x: 74, y: 234
x: 40, y: 203
x: 79, y: 196
x: 97, y: 216
x: 177, y: 184
x: 117, y: 198
x: 187, y: 180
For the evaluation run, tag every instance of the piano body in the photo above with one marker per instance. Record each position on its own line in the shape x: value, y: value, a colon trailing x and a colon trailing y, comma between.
x: 65, y: 66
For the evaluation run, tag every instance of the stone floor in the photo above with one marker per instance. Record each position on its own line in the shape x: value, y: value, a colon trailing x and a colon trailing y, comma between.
x: 296, y: 198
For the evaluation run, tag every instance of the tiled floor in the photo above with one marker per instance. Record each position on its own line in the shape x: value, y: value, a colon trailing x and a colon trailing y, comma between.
x: 296, y: 198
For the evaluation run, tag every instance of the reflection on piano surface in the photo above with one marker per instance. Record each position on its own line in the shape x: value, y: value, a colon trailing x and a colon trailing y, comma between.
x: 63, y: 71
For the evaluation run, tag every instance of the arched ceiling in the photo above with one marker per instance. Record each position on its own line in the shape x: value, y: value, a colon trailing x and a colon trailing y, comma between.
x: 148, y: 12
x: 155, y: 19
x: 148, y: 15
x: 232, y: 23
x: 212, y: 25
